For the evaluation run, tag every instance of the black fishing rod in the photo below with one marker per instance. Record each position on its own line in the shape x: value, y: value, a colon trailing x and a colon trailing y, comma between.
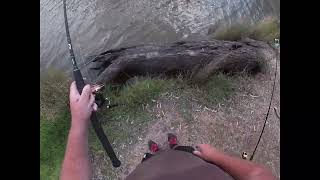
x: 80, y: 85
x: 269, y: 107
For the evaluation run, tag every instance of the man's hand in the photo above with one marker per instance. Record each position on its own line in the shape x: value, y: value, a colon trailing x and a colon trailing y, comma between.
x: 76, y: 163
x: 81, y: 106
x: 238, y: 168
x: 205, y: 151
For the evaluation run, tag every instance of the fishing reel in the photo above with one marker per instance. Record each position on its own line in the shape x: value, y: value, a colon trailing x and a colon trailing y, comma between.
x: 97, y: 90
x: 100, y: 100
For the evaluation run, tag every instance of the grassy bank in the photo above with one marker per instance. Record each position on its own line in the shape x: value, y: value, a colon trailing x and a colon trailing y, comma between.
x: 53, y: 135
x: 266, y: 30
x: 54, y: 123
x: 123, y: 123
x: 126, y: 122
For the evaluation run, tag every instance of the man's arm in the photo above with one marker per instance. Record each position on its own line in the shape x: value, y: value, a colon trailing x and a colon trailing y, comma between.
x: 238, y: 168
x: 76, y: 163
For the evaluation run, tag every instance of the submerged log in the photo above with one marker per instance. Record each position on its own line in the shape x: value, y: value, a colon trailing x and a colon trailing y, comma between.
x: 201, y: 59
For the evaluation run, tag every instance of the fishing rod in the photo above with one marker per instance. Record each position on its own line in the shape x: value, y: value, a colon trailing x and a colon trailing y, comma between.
x: 80, y: 85
x: 244, y: 154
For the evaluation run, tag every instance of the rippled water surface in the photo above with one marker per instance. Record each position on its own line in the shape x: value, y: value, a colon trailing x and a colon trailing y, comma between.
x: 97, y: 25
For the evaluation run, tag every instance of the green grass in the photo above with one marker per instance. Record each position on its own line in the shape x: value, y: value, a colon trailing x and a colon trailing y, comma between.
x: 186, y: 90
x: 120, y: 123
x: 53, y: 137
x: 54, y: 123
x: 266, y: 30
x: 123, y: 123
x: 54, y: 92
x: 218, y: 88
x: 139, y: 92
x: 234, y: 32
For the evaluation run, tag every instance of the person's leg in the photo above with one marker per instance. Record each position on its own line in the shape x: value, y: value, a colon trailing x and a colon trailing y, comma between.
x: 153, y: 147
x: 173, y: 143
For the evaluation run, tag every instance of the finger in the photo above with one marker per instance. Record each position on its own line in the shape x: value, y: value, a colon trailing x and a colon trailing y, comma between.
x: 91, y: 101
x: 198, y: 153
x: 95, y: 107
x: 199, y: 147
x: 86, y: 92
x: 74, y: 93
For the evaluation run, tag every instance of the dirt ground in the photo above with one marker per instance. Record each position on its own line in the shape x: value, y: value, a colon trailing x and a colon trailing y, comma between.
x: 233, y: 127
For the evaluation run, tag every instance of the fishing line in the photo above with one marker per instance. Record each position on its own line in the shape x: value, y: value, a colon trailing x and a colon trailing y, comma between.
x: 266, y: 118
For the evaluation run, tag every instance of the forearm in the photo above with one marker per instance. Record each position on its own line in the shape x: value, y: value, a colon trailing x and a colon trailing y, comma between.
x: 76, y: 162
x: 240, y: 169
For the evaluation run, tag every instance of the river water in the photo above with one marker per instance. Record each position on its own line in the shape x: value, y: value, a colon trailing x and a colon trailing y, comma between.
x: 98, y: 25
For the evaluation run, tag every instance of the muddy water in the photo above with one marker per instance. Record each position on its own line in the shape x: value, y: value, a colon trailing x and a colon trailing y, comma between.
x: 97, y: 25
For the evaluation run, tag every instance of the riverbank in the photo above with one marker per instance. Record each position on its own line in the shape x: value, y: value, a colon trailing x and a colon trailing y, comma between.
x: 226, y: 111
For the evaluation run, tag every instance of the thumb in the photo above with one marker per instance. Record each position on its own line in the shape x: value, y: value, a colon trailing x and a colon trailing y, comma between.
x: 95, y: 107
x: 198, y: 153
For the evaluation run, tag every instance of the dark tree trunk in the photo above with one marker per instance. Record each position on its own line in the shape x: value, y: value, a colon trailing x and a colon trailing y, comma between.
x: 201, y: 59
